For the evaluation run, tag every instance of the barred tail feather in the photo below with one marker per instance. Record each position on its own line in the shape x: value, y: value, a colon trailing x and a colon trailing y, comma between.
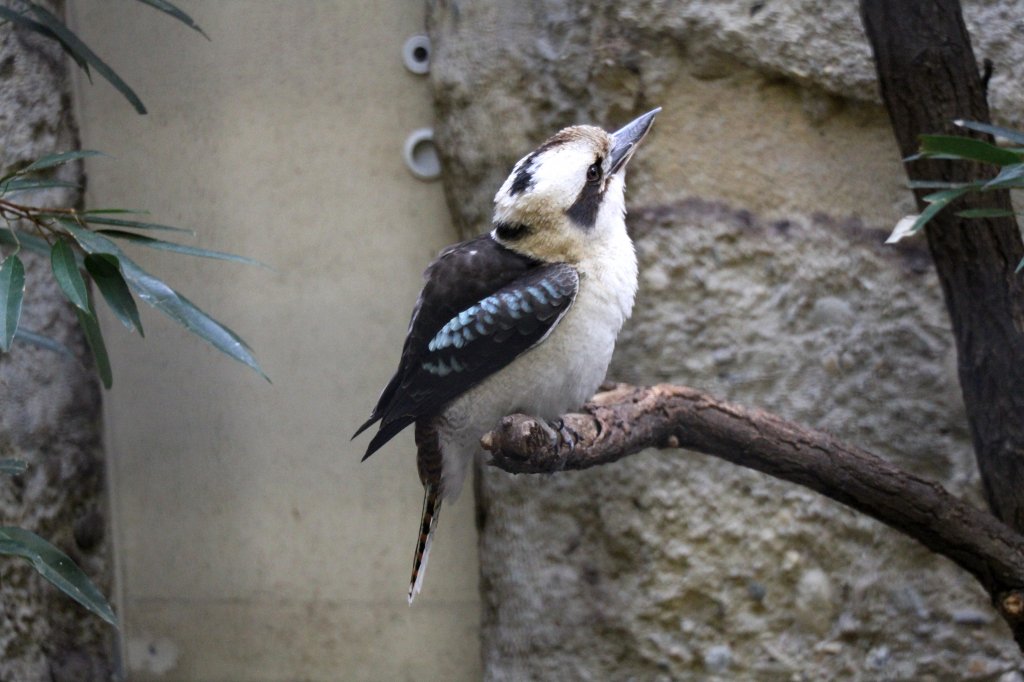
x: 428, y: 524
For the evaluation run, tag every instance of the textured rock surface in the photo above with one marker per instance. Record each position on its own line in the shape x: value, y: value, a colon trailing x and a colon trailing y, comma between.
x: 49, y: 409
x: 500, y: 67
x: 758, y: 206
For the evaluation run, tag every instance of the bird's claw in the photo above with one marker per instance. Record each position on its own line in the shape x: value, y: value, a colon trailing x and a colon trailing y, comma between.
x: 565, y: 435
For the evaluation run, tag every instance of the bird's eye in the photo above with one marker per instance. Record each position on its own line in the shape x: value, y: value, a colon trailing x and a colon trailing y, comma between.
x: 594, y: 172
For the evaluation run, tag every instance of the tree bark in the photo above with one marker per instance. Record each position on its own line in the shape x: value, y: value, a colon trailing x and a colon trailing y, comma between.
x: 928, y: 78
x: 628, y: 419
x: 49, y: 405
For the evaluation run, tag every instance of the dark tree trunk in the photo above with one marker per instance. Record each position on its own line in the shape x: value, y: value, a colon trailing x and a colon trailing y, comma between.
x: 928, y: 78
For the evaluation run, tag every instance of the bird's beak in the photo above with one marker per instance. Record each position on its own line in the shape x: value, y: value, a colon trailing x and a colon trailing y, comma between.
x: 626, y: 139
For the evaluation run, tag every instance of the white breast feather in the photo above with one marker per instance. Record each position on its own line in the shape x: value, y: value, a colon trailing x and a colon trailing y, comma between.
x: 555, y: 376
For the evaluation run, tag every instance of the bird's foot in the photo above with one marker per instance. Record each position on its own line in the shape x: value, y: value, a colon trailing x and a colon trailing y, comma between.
x: 565, y: 435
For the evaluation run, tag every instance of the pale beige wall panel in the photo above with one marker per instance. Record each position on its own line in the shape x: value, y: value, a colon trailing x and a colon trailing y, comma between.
x: 252, y: 544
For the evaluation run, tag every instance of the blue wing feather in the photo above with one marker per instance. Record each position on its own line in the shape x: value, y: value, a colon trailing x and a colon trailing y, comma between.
x: 482, y: 306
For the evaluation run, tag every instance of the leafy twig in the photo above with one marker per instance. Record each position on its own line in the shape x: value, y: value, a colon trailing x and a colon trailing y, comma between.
x: 1010, y: 161
x: 77, y: 240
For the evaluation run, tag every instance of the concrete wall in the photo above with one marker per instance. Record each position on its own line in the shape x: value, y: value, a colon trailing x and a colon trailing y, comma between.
x: 252, y: 544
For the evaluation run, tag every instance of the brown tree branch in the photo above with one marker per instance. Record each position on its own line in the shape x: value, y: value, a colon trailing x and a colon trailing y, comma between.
x: 627, y: 419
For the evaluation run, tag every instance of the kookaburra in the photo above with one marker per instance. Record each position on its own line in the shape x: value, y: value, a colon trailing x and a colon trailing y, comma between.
x: 522, y: 319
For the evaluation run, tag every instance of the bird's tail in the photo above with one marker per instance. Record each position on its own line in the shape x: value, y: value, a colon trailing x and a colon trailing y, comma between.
x: 428, y: 524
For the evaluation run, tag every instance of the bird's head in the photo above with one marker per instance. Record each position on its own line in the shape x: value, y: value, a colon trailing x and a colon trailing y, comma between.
x: 566, y: 196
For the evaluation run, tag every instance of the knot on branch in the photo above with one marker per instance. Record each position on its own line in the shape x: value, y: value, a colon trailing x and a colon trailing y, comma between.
x: 1012, y: 604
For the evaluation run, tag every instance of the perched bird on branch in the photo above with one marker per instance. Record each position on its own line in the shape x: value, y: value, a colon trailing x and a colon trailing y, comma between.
x: 522, y: 319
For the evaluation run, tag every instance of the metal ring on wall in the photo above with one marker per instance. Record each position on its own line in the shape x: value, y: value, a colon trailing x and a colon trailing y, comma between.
x: 420, y: 154
x: 416, y: 54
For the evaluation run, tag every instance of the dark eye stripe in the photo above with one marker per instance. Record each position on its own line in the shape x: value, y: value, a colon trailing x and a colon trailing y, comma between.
x: 584, y: 210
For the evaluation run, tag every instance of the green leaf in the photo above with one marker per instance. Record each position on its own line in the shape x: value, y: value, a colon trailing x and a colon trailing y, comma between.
x: 83, y: 53
x: 12, y: 466
x: 94, y: 337
x: 12, y: 291
x: 106, y: 272
x: 179, y: 248
x: 51, y: 160
x: 170, y: 9
x: 934, y: 184
x: 67, y: 274
x: 20, y: 184
x: 1009, y: 177
x: 946, y: 196
x: 27, y: 241
x: 985, y: 213
x: 22, y: 20
x: 167, y: 300
x: 101, y: 211
x: 1015, y: 136
x: 119, y: 222
x: 956, y: 147
x: 45, y: 342
x: 936, y: 202
x: 57, y: 567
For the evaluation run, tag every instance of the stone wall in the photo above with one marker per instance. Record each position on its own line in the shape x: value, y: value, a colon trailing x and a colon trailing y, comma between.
x: 49, y: 405
x: 758, y: 206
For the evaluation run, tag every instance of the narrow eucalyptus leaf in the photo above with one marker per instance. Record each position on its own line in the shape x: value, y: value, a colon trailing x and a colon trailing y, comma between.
x: 956, y: 147
x: 179, y: 248
x: 22, y: 20
x: 167, y: 300
x: 105, y: 270
x: 21, y: 184
x: 170, y: 9
x: 1015, y: 136
x: 1009, y: 177
x: 56, y: 567
x: 51, y: 160
x: 135, y: 224
x: 12, y: 291
x: 45, y: 342
x: 23, y: 240
x: 13, y: 466
x: 82, y: 52
x: 94, y: 337
x: 947, y: 195
x: 932, y: 210
x: 102, y: 211
x: 65, y: 271
x: 934, y: 184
